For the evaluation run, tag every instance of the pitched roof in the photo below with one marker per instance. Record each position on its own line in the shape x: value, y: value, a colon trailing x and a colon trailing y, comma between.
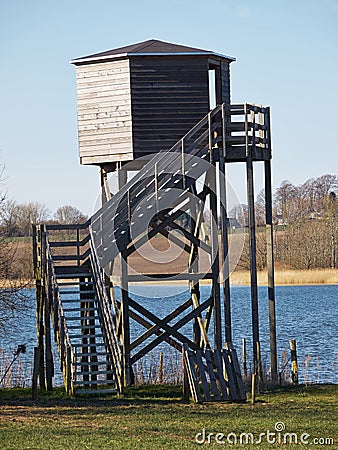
x: 151, y: 47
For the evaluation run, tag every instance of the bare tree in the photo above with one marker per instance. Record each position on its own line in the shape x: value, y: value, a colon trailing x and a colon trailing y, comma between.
x: 8, y: 218
x: 29, y: 214
x: 260, y: 208
x: 308, y: 238
x: 12, y: 294
x: 69, y: 215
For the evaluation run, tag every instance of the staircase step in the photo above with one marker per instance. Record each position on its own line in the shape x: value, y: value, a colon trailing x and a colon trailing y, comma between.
x: 92, y: 363
x: 79, y: 309
x: 79, y: 355
x: 88, y: 336
x: 95, y: 391
x: 83, y: 327
x: 91, y: 382
x: 76, y: 283
x: 72, y: 275
x: 72, y: 271
x: 77, y: 292
x: 96, y: 372
x: 77, y: 300
x: 80, y: 318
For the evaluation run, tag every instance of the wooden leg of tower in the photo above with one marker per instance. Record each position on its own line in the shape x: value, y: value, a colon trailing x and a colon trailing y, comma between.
x: 271, y: 274
x: 105, y: 191
x: 125, y: 324
x: 41, y: 308
x: 253, y: 265
x: 48, y: 340
x: 215, y: 261
x: 125, y: 320
x: 193, y: 268
x: 225, y: 251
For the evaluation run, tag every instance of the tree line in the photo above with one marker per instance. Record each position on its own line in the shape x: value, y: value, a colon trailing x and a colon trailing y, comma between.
x: 305, y: 223
x: 16, y: 219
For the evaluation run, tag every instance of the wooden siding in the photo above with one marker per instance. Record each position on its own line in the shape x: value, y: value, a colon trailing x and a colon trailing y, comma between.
x: 169, y: 96
x: 104, y: 112
x: 225, y: 82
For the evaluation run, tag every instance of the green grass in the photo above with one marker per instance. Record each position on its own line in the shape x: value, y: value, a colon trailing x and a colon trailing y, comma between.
x: 155, y: 417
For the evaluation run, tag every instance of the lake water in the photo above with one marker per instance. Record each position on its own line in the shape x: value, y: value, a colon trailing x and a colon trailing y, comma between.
x: 305, y: 313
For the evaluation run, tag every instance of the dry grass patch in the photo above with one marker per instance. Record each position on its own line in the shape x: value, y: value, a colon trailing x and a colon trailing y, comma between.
x: 290, y: 277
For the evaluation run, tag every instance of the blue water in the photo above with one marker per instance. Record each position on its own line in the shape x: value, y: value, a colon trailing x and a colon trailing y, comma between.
x: 305, y: 313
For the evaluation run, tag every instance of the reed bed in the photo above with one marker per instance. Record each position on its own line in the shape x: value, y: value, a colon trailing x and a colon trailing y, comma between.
x: 289, y: 277
x: 166, y: 368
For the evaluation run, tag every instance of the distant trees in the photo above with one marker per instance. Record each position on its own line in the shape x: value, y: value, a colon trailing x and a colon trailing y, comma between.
x: 306, y: 225
x: 12, y: 293
x: 309, y: 223
x: 16, y: 219
x: 69, y: 215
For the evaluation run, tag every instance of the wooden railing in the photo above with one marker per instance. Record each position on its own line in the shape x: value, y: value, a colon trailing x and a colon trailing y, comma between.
x: 48, y: 304
x: 54, y: 252
x: 61, y: 333
x: 68, y: 243
x: 106, y: 317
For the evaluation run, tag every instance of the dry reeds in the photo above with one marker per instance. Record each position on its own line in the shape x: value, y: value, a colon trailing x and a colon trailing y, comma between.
x: 18, y: 374
x: 159, y: 368
x: 290, y: 277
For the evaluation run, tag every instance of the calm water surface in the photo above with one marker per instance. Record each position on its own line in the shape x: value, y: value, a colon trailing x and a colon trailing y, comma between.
x: 305, y: 313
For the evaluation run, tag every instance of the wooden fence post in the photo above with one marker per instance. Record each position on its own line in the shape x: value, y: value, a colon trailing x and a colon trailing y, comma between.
x: 245, y: 368
x: 186, y: 388
x: 35, y: 373
x: 161, y: 368
x: 253, y: 388
x: 259, y: 363
x: 294, y: 364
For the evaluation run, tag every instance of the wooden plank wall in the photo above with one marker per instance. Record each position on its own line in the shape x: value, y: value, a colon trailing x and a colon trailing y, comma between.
x: 225, y: 80
x: 169, y: 96
x: 104, y: 112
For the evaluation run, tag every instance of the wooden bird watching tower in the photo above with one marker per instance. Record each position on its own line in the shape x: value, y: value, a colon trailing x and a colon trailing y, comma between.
x: 134, y: 103
x: 148, y: 109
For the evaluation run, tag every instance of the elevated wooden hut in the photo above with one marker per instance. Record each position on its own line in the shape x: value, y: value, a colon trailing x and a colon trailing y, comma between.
x: 139, y: 99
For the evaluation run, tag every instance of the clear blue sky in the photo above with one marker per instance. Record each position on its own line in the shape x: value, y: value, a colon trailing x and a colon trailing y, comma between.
x: 287, y: 57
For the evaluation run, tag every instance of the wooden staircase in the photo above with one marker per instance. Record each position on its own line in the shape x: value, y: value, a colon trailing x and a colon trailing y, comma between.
x: 92, y: 362
x: 80, y: 308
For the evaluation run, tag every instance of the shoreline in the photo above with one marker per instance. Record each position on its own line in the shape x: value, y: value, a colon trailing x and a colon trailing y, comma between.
x: 283, y: 277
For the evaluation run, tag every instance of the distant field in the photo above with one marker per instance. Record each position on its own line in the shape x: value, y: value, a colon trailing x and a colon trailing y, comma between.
x: 150, y: 260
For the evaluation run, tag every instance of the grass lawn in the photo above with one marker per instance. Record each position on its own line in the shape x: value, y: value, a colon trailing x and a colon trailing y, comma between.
x: 154, y: 417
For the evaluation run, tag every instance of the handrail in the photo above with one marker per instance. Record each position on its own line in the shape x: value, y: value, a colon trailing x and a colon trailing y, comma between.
x: 104, y: 307
x: 65, y: 348
x: 75, y: 226
x: 194, y: 143
x: 159, y: 157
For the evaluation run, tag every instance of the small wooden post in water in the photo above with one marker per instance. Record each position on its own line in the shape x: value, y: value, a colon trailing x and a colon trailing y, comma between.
x: 294, y: 364
x: 36, y: 364
x: 185, y: 387
x: 253, y: 388
x: 259, y: 363
x: 245, y: 368
x: 161, y: 368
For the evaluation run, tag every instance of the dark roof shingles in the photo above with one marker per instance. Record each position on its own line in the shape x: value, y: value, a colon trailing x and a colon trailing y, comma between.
x: 150, y: 46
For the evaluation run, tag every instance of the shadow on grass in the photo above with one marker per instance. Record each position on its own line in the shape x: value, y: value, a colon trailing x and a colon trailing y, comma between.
x: 145, y: 395
x: 141, y: 395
